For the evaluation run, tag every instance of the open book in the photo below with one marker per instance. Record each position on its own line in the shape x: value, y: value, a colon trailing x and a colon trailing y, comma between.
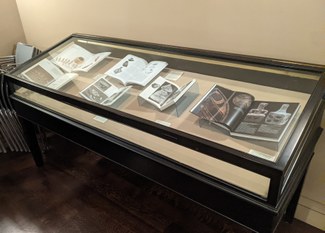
x: 243, y: 116
x: 163, y: 93
x: 47, y: 74
x: 103, y: 92
x: 75, y: 58
x: 135, y: 70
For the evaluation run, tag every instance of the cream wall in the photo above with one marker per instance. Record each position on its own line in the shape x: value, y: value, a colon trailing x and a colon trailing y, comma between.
x: 11, y: 29
x: 291, y: 29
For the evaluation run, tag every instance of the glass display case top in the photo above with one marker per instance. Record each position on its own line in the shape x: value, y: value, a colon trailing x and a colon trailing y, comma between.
x: 251, y: 108
x: 183, y: 101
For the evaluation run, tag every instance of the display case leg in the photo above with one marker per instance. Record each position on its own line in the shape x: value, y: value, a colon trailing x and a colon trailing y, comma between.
x: 291, y: 209
x: 31, y: 138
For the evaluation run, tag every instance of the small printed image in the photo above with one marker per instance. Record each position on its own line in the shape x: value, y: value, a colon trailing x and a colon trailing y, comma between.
x: 150, y: 68
x: 163, y: 93
x: 242, y: 100
x: 118, y: 70
x: 125, y: 64
x: 279, y: 117
x: 71, y: 64
x: 257, y: 115
x: 39, y: 75
x: 102, y: 85
x: 94, y: 94
x: 215, y: 107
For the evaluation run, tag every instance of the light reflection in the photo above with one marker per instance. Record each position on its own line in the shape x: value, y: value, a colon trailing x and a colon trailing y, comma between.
x: 18, y: 225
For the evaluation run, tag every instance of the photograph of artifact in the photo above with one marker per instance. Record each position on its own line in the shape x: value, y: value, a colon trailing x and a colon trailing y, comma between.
x: 94, y: 94
x: 163, y: 93
x: 279, y: 117
x: 242, y: 100
x: 223, y: 106
x: 102, y: 85
x: 257, y: 114
x: 215, y: 107
x: 102, y: 91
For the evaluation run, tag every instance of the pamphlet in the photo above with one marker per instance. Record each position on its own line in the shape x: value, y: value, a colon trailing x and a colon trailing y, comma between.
x: 103, y: 92
x: 135, y: 70
x: 47, y: 74
x: 243, y: 116
x: 163, y: 93
x: 75, y: 58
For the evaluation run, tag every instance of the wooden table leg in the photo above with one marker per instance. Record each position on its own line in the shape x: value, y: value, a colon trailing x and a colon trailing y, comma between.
x: 291, y: 209
x: 31, y: 138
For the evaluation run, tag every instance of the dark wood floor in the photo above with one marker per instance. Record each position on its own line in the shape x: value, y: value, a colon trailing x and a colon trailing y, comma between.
x: 79, y: 191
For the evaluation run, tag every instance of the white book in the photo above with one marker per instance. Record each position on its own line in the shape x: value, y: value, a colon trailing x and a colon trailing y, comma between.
x: 75, y: 58
x: 135, y: 70
x: 103, y: 92
x: 47, y: 74
x: 163, y: 93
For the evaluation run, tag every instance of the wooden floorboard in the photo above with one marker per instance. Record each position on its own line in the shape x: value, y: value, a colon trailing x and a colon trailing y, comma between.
x: 79, y: 191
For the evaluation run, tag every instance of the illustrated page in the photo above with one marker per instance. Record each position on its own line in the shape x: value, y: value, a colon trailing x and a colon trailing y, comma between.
x: 76, y: 58
x: 223, y: 106
x: 102, y: 91
x: 267, y: 120
x: 135, y: 70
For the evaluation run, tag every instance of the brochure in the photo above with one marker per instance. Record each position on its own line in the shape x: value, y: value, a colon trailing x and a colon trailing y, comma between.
x: 135, y: 70
x: 245, y: 117
x: 47, y: 74
x: 163, y: 93
x: 75, y: 58
x: 103, y: 92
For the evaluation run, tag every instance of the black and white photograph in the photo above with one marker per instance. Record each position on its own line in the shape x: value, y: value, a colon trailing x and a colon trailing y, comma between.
x: 94, y: 94
x: 243, y: 116
x: 163, y: 93
x: 48, y: 74
x: 102, y: 91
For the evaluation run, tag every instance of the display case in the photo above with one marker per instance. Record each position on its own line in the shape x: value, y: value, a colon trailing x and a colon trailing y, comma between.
x: 234, y: 133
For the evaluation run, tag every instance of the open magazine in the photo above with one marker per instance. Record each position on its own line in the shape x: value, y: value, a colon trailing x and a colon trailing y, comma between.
x: 243, y: 116
x: 135, y: 70
x: 103, y: 92
x: 163, y: 93
x: 47, y: 74
x: 75, y: 58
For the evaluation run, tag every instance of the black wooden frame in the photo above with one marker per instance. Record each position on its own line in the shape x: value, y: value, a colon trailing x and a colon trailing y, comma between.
x: 289, y: 170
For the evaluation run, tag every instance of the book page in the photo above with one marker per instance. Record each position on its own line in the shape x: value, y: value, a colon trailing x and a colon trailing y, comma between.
x: 223, y: 107
x: 266, y: 120
x: 47, y: 74
x: 135, y: 70
x: 159, y: 92
x: 180, y: 92
x: 102, y: 91
x: 76, y: 58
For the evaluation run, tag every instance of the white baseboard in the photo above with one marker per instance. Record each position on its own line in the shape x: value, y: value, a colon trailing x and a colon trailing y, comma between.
x: 311, y: 212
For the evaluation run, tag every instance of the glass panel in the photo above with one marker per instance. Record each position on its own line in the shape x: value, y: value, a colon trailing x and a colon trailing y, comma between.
x: 192, y: 94
x: 235, y: 175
